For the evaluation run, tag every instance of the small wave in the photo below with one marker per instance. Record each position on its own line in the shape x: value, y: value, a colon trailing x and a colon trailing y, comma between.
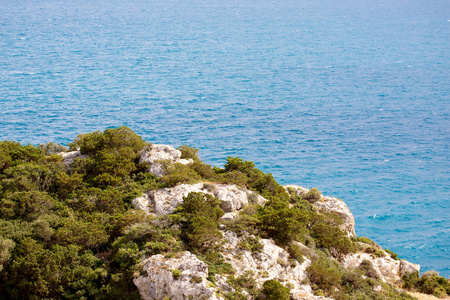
x: 21, y: 73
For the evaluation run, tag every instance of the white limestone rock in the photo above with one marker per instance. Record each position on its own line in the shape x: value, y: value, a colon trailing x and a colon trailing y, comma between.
x: 158, y: 280
x: 406, y: 266
x: 70, y: 156
x: 387, y: 268
x: 271, y: 263
x: 164, y: 201
x: 156, y: 154
x: 331, y: 205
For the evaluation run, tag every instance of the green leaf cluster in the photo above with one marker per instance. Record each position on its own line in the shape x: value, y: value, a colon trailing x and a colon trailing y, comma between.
x: 430, y: 283
x: 200, y: 214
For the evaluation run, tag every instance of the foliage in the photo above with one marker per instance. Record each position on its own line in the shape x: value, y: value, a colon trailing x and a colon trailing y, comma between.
x: 179, y: 173
x: 251, y: 243
x: 313, y: 195
x: 295, y: 252
x: 200, y: 215
x: 244, y: 284
x: 324, y: 273
x: 363, y: 239
x: 392, y: 254
x: 216, y: 264
x: 246, y: 222
x: 188, y: 152
x: 283, y: 223
x: 176, y: 273
x: 367, y: 268
x: 112, y: 154
x: 274, y: 290
x: 430, y: 283
x: 56, y: 222
x: 375, y: 251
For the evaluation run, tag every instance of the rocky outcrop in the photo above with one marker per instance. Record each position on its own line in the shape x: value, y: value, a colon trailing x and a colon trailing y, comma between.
x: 157, y: 278
x: 69, y: 157
x: 185, y: 276
x: 158, y: 155
x: 180, y: 278
x: 271, y: 263
x: 330, y: 205
x: 406, y: 266
x: 164, y: 201
x: 386, y: 268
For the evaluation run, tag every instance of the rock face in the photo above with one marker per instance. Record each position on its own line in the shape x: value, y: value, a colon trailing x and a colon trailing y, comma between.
x: 387, y: 268
x: 164, y: 201
x: 70, y: 156
x: 158, y: 280
x: 156, y: 154
x: 406, y: 266
x: 331, y: 205
x: 271, y: 263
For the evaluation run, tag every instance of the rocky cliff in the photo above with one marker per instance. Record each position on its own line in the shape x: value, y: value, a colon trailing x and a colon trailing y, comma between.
x: 184, y: 276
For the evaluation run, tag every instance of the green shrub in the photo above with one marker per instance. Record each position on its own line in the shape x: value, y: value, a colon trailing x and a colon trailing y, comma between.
x: 363, y: 239
x: 281, y: 222
x: 332, y: 238
x: 367, y: 268
x: 201, y: 214
x: 202, y: 169
x: 179, y: 173
x: 375, y: 252
x: 245, y: 282
x: 295, y: 252
x: 325, y: 274
x: 216, y: 264
x: 188, y: 152
x: 392, y: 254
x: 313, y: 195
x: 430, y: 283
x: 6, y: 247
x: 114, y: 152
x: 176, y: 273
x: 274, y: 290
x: 251, y: 243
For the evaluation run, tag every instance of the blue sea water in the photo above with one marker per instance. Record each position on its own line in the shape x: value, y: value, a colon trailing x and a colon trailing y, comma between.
x: 351, y: 97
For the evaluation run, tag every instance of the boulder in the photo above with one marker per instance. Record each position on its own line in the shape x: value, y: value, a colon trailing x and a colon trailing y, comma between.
x: 387, y: 268
x: 158, y: 155
x: 406, y: 266
x: 158, y: 280
x: 70, y: 156
x: 164, y: 201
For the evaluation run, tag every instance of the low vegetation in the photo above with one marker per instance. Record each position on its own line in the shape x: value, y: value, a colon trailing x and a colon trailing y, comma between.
x: 71, y: 232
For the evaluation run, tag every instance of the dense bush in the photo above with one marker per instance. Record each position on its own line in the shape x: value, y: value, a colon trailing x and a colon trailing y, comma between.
x: 200, y: 215
x: 274, y: 290
x: 188, y: 152
x: 430, y: 283
x: 55, y: 221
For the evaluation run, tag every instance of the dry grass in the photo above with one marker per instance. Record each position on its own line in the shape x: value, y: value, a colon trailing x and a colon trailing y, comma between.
x: 421, y: 296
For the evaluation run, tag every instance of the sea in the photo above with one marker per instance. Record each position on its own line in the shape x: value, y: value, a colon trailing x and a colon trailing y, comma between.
x: 351, y: 97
